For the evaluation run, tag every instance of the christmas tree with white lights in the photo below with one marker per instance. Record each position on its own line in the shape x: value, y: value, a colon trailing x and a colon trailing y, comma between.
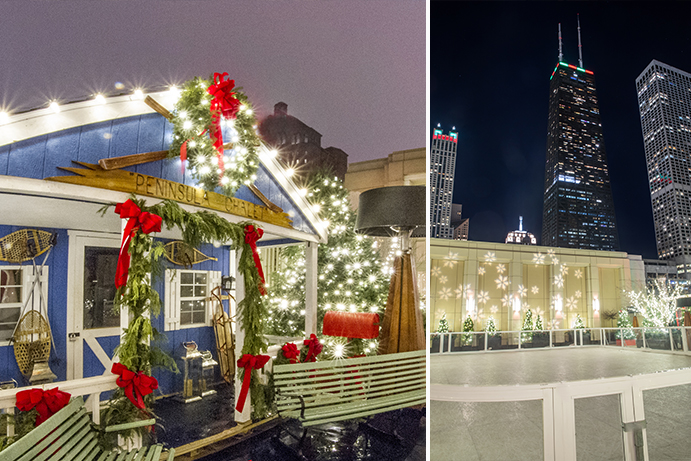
x: 351, y: 276
x: 527, y: 327
x: 443, y: 324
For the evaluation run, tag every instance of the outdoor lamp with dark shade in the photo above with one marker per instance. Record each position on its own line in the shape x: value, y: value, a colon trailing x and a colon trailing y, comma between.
x: 395, y: 212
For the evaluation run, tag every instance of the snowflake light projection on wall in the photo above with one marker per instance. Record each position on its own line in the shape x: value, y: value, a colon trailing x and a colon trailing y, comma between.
x: 506, y: 300
x: 571, y: 303
x: 538, y: 258
x: 501, y: 268
x: 481, y: 270
x: 502, y: 282
x: 522, y: 292
x: 436, y: 271
x: 443, y: 279
x: 577, y: 294
x: 490, y: 257
x: 535, y: 290
x: 445, y: 293
x: 559, y: 281
x: 482, y: 297
x: 578, y: 274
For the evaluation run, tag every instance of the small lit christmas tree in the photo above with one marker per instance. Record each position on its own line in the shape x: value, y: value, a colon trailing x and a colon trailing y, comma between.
x: 443, y: 324
x: 578, y: 323
x: 624, y: 322
x: 538, y: 323
x: 527, y: 327
x: 468, y: 328
x: 351, y: 276
x: 491, y: 327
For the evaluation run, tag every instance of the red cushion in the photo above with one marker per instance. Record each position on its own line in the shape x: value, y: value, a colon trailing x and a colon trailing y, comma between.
x: 351, y: 324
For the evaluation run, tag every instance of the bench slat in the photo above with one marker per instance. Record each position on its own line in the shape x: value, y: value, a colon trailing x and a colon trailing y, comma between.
x: 83, y: 452
x: 324, y: 375
x: 341, y: 366
x: 356, y: 379
x: 69, y: 425
x: 69, y: 444
x: 355, y: 361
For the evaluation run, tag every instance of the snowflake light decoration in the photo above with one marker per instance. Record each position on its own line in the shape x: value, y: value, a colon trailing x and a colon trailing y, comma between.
x: 550, y: 252
x: 564, y: 270
x: 535, y: 290
x: 482, y: 297
x: 506, y: 300
x: 538, y: 258
x: 445, y: 293
x: 578, y: 274
x: 501, y: 268
x: 450, y: 260
x: 481, y: 270
x: 522, y: 292
x: 443, y: 279
x: 577, y: 294
x: 559, y: 281
x: 494, y: 309
x: 490, y: 257
x: 502, y: 282
x: 459, y: 291
x: 571, y: 303
x: 436, y: 271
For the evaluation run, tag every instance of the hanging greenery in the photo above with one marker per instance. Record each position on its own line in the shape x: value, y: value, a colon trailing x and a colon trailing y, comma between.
x: 205, y: 107
x: 135, y: 351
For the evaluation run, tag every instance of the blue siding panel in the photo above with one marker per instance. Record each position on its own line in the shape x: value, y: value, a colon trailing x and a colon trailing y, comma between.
x: 61, y: 148
x: 125, y: 138
x: 27, y: 158
x: 94, y: 142
x: 92, y: 366
x: 150, y: 140
x: 4, y: 158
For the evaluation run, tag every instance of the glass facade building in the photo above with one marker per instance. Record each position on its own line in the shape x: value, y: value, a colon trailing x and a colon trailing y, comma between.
x: 441, y: 172
x: 664, y: 102
x: 578, y: 210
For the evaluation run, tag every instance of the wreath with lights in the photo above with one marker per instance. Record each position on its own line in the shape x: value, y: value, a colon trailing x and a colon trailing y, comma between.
x: 204, y: 109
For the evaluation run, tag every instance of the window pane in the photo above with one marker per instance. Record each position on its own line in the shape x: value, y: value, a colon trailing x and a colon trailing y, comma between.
x: 200, y: 279
x: 200, y: 290
x: 185, y: 318
x: 186, y: 306
x: 6, y: 330
x: 10, y: 286
x: 9, y: 315
x: 99, y: 287
x: 186, y: 278
x: 186, y: 291
x: 198, y: 317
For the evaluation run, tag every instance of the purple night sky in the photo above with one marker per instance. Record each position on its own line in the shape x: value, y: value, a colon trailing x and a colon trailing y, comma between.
x: 354, y: 71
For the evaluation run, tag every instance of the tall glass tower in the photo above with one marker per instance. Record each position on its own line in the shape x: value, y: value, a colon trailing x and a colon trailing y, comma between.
x: 578, y: 210
x: 441, y: 172
x: 664, y: 103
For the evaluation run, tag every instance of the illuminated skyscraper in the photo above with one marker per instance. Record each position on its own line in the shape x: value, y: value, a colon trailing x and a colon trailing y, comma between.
x: 578, y: 210
x: 664, y: 103
x: 441, y: 171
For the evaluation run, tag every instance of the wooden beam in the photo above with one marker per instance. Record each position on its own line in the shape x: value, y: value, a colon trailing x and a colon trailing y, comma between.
x: 134, y: 159
x: 269, y: 204
x: 151, y: 102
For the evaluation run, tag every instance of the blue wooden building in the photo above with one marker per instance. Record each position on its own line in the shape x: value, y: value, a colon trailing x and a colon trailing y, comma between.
x: 35, y: 149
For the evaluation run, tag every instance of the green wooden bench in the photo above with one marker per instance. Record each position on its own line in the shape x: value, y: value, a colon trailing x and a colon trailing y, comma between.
x: 69, y: 435
x: 338, y: 390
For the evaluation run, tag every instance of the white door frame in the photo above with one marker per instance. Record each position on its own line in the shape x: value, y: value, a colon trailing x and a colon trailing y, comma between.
x: 75, y: 300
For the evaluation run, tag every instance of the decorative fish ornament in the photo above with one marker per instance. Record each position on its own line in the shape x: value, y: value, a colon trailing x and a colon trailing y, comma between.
x: 25, y: 244
x: 180, y: 253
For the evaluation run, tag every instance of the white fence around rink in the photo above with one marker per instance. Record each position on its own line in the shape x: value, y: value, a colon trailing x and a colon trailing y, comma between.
x: 671, y: 339
x: 558, y: 399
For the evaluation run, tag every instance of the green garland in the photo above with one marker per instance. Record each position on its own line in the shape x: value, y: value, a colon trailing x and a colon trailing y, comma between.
x: 140, y: 297
x: 191, y: 123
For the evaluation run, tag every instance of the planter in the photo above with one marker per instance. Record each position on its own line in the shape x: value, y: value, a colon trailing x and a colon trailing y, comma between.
x: 541, y: 340
x: 628, y: 342
x: 494, y: 342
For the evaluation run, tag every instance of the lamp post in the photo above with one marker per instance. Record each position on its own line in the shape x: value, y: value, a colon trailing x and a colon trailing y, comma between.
x: 395, y: 212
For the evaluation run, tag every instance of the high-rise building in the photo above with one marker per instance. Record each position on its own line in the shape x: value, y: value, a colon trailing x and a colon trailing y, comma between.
x: 578, y: 210
x: 664, y: 103
x: 441, y: 171
x: 460, y: 225
x: 520, y: 237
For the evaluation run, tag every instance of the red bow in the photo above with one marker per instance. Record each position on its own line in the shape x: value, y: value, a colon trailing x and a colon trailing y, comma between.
x: 291, y: 352
x: 223, y: 104
x: 248, y: 362
x: 136, y: 385
x: 315, y: 348
x: 47, y: 403
x: 253, y: 234
x: 145, y: 221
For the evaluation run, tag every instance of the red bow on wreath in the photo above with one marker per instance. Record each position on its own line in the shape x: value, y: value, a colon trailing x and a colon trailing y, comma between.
x: 223, y: 104
x: 252, y: 234
x: 291, y: 352
x: 315, y: 348
x: 47, y: 403
x: 136, y: 385
x: 145, y: 221
x: 249, y: 362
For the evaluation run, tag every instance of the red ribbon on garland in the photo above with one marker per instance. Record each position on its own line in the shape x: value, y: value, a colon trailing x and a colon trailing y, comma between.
x: 223, y: 104
x: 145, y: 221
x: 315, y: 348
x: 252, y: 234
x: 249, y: 362
x: 47, y: 403
x: 136, y: 385
x: 291, y: 352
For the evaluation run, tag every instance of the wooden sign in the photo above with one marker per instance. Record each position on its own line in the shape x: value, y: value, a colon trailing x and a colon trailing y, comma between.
x: 141, y: 184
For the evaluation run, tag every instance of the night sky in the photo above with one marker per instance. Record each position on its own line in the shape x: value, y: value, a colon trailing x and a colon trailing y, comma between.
x: 354, y: 71
x: 489, y: 77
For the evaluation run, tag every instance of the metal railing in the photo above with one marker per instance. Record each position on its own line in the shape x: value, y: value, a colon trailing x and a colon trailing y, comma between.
x: 671, y: 339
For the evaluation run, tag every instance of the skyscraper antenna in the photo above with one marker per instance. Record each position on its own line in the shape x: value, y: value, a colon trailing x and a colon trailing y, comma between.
x: 580, y: 54
x: 561, y: 55
x: 520, y: 223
